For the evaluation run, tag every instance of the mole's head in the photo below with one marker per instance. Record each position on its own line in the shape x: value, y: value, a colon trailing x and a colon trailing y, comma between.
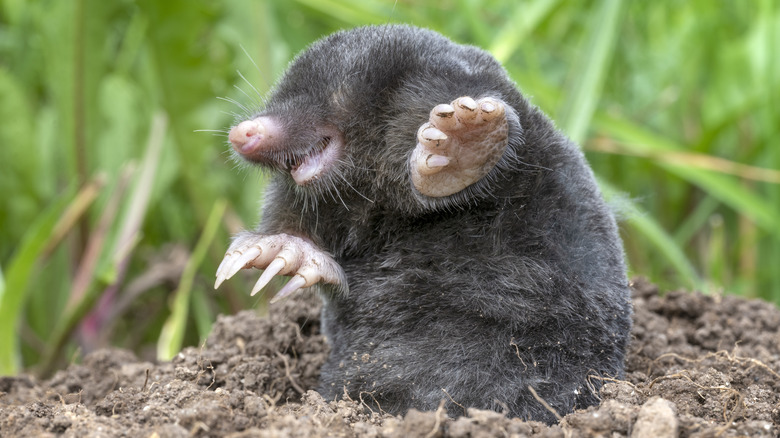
x: 346, y: 112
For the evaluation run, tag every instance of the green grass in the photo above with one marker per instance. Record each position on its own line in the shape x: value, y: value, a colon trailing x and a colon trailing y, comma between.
x: 112, y: 222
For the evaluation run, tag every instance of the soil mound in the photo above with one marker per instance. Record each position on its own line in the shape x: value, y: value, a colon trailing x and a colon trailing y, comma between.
x: 698, y: 366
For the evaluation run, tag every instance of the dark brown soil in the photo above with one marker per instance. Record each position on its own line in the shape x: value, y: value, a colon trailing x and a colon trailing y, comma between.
x: 698, y: 366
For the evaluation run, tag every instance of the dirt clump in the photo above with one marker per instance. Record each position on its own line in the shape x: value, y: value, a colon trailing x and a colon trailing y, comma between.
x: 698, y: 366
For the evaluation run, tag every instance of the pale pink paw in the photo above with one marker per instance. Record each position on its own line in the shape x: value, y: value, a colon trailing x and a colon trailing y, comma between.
x: 280, y: 254
x: 459, y: 145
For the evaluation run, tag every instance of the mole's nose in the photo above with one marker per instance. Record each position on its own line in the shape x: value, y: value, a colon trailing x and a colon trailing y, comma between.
x: 247, y: 136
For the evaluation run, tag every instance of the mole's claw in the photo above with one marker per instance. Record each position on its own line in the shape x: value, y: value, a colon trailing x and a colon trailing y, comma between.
x: 293, y: 285
x: 435, y: 161
x: 430, y: 135
x: 444, y: 111
x: 226, y: 261
x: 240, y: 253
x: 273, y: 268
x: 244, y: 257
x: 443, y: 117
x: 466, y: 108
x: 281, y: 254
x: 428, y: 164
x: 490, y: 109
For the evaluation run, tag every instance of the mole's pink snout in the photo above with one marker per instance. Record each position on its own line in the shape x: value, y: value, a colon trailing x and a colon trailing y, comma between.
x: 247, y: 136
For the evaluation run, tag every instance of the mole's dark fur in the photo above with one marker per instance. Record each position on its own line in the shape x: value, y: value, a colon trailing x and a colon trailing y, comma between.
x: 516, y: 281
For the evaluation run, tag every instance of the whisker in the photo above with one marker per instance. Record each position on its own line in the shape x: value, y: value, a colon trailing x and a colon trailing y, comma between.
x: 231, y: 113
x: 354, y: 189
x: 234, y: 102
x: 262, y: 99
x: 340, y: 198
x: 533, y: 165
x: 222, y: 131
x: 254, y: 63
x: 251, y: 99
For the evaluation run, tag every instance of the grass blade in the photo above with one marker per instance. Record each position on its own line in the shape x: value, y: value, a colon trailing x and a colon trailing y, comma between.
x: 111, y: 270
x: 172, y: 336
x: 36, y: 240
x: 590, y: 71
x: 641, y: 221
x: 719, y: 186
x: 354, y: 13
x: 523, y: 21
x: 96, y: 243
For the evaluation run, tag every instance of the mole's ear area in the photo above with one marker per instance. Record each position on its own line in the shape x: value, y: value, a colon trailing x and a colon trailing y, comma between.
x: 459, y: 145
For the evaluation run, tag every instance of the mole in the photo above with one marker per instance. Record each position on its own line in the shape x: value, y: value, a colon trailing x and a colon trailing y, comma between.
x: 459, y: 241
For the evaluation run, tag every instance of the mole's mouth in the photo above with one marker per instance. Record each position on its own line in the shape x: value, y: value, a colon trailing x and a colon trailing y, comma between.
x: 294, y: 162
x: 310, y: 166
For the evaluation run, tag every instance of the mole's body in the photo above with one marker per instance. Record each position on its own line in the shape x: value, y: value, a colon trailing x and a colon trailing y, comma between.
x: 460, y: 243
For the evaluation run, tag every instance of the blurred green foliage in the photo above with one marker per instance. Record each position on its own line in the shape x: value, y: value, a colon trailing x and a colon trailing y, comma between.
x: 109, y: 183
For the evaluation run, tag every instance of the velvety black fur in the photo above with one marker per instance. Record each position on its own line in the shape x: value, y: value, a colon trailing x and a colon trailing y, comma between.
x: 516, y: 281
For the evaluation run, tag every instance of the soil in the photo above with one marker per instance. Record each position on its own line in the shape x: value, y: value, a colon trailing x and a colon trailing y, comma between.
x: 699, y: 366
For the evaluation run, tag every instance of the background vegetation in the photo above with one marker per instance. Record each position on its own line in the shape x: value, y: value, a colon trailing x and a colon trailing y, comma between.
x: 116, y: 210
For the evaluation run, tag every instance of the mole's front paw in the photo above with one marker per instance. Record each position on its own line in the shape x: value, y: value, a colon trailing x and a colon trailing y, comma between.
x: 280, y: 254
x: 459, y: 145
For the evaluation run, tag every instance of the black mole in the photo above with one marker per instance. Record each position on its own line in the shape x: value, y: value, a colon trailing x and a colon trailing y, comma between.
x: 459, y: 241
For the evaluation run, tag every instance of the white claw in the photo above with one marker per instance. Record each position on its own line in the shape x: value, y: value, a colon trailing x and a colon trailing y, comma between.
x: 444, y: 110
x: 242, y: 260
x: 224, y: 260
x: 273, y: 268
x: 221, y: 269
x: 434, y: 161
x: 293, y: 285
x: 433, y: 134
x: 467, y: 103
x: 280, y: 255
